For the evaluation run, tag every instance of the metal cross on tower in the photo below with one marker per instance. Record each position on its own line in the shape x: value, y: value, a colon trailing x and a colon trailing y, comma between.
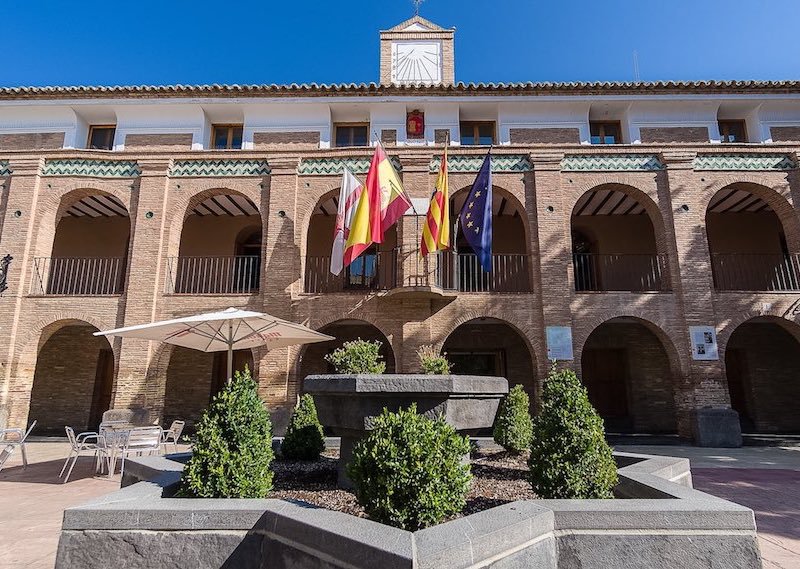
x: 417, y: 4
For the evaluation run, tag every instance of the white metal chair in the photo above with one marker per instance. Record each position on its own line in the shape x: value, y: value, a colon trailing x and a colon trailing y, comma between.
x: 88, y: 442
x: 173, y: 434
x: 141, y: 440
x: 11, y: 439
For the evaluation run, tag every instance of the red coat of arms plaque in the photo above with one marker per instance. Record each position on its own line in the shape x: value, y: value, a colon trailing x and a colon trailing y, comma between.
x: 415, y: 124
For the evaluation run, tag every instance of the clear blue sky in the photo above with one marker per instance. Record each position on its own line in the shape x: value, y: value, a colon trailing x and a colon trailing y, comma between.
x: 242, y: 41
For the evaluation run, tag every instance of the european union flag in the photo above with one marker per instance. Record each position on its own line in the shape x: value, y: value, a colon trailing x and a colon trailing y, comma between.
x: 476, y: 215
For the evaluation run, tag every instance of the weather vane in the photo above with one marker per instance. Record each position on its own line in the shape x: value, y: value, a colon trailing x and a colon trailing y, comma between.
x: 417, y: 4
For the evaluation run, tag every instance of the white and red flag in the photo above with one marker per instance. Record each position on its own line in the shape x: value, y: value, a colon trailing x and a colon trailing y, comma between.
x: 349, y: 195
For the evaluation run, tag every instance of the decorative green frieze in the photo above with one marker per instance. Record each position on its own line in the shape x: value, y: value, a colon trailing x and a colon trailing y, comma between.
x: 611, y: 163
x: 334, y: 166
x: 472, y: 163
x: 5, y: 168
x: 92, y: 168
x: 744, y: 161
x: 214, y: 168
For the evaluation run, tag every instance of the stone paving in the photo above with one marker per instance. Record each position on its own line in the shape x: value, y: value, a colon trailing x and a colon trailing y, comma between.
x: 766, y: 479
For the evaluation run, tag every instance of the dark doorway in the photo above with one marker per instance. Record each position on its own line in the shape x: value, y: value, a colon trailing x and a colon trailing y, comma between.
x: 103, y: 386
x: 605, y: 375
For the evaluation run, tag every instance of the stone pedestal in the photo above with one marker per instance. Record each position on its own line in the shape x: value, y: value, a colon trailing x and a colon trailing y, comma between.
x: 348, y: 404
x: 717, y: 428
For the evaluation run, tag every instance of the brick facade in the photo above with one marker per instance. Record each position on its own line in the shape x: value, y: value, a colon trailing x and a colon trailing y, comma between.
x: 545, y: 136
x: 297, y: 140
x: 158, y: 141
x: 31, y: 141
x: 785, y: 133
x: 666, y: 385
x: 674, y: 134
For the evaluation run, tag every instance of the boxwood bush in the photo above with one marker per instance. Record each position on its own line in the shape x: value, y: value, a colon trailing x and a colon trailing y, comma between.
x: 357, y: 356
x: 513, y: 426
x: 232, y: 453
x: 432, y: 362
x: 569, y: 454
x: 304, y: 439
x: 409, y: 470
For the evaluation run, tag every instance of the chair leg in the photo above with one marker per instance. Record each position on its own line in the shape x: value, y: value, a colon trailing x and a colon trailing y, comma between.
x: 63, y: 468
x: 122, y: 467
x: 24, y: 456
x: 74, y: 460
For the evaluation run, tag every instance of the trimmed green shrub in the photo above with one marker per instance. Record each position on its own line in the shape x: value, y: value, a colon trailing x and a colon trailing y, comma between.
x: 409, y: 470
x: 432, y: 362
x: 232, y: 453
x: 304, y: 439
x: 357, y: 356
x: 569, y: 454
x: 513, y: 426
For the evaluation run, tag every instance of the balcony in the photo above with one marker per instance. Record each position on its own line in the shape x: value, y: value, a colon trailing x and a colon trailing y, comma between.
x: 464, y: 273
x: 444, y: 271
x: 756, y: 272
x: 78, y: 276
x: 235, y: 274
x: 369, y: 272
x: 615, y: 273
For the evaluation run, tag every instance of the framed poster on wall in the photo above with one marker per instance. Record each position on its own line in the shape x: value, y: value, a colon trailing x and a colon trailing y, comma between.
x: 704, y: 342
x: 559, y: 343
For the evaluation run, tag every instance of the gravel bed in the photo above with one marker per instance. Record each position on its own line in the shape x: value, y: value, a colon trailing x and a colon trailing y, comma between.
x: 497, y: 478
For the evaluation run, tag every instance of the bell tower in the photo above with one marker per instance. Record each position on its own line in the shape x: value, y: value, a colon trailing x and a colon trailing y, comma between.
x: 417, y: 52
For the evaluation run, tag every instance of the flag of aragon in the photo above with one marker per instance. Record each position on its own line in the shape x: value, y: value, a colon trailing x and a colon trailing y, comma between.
x: 436, y: 232
x: 388, y: 198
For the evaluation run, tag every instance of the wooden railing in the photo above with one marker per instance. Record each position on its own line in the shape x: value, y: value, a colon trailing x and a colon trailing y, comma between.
x: 623, y: 272
x: 78, y: 276
x: 238, y: 274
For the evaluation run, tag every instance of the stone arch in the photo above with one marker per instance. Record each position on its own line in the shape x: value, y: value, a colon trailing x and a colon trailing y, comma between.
x: 764, y: 258
x: 203, y: 252
x: 632, y: 373
x: 64, y: 375
x: 323, y: 190
x: 499, y: 193
x: 492, y: 345
x: 310, y: 357
x: 659, y: 326
x: 761, y: 359
x: 203, y: 190
x: 618, y: 239
x: 375, y: 269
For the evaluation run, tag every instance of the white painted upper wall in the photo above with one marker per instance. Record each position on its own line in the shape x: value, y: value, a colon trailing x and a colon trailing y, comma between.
x: 169, y: 116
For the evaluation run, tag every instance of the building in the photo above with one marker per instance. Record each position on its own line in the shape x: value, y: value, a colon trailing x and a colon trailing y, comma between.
x: 648, y: 228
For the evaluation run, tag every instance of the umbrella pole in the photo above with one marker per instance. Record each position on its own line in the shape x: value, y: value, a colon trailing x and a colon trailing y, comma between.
x: 230, y: 352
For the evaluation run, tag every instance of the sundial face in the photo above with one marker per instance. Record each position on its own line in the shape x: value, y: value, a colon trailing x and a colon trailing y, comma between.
x: 417, y: 62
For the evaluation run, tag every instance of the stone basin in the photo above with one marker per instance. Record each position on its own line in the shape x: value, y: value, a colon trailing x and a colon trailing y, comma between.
x: 348, y: 404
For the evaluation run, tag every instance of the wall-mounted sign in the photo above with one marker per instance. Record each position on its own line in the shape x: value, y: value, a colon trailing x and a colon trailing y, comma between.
x: 704, y: 342
x: 415, y: 124
x: 559, y: 343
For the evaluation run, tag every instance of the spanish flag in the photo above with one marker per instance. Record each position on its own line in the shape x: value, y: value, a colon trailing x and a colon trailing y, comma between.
x: 436, y: 232
x: 383, y: 202
x: 388, y: 199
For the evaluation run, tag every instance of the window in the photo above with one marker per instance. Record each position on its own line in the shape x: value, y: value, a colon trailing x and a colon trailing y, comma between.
x: 101, y: 137
x: 477, y: 133
x: 732, y: 131
x: 351, y: 134
x: 226, y: 136
x: 605, y: 133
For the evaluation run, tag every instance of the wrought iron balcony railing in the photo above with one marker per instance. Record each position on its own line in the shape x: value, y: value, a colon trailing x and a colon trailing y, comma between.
x: 238, y: 274
x: 370, y: 271
x: 756, y: 272
x: 464, y: 273
x: 78, y: 276
x: 623, y: 272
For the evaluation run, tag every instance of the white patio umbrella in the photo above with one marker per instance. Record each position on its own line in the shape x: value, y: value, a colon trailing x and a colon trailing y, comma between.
x: 228, y: 329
